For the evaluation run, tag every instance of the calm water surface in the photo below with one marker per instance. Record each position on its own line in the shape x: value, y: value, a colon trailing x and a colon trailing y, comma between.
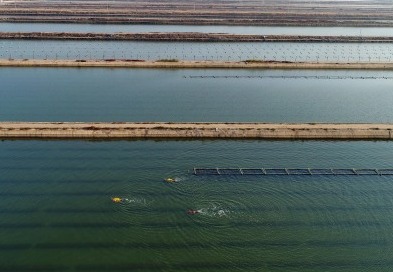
x: 57, y: 214
x: 46, y: 94
x: 262, y: 30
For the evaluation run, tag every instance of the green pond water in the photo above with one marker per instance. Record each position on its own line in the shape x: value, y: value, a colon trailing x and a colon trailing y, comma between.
x: 57, y: 215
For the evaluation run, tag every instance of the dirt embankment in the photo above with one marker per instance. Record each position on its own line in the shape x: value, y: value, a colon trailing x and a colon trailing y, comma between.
x: 175, y: 64
x: 195, y: 130
x: 188, y: 36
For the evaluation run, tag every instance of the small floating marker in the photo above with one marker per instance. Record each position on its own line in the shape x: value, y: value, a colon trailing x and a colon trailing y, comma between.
x: 117, y: 199
x: 170, y: 180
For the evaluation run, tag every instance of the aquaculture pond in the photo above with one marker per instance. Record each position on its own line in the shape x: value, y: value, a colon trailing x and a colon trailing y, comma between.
x: 57, y: 213
x: 187, y: 95
x: 56, y: 206
x: 221, y: 51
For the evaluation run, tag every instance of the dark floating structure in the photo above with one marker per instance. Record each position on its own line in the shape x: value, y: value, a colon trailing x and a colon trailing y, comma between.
x: 290, y: 77
x: 291, y: 171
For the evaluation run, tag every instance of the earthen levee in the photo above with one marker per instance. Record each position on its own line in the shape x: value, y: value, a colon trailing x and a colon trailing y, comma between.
x: 195, y: 130
x: 175, y: 64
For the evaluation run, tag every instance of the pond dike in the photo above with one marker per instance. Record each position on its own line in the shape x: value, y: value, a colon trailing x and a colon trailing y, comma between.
x: 189, y: 64
x: 116, y: 130
x: 190, y: 37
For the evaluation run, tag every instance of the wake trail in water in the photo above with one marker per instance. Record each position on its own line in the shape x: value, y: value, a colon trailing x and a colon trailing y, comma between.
x: 214, y: 211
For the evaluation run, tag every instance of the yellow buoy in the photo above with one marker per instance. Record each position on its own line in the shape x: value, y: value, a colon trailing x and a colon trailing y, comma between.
x: 170, y: 180
x: 116, y: 199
